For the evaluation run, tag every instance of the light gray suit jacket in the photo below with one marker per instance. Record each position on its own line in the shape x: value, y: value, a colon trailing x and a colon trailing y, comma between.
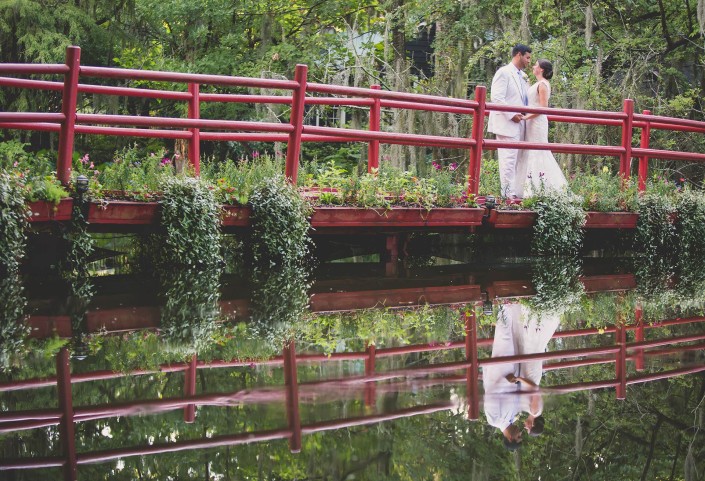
x: 506, y: 90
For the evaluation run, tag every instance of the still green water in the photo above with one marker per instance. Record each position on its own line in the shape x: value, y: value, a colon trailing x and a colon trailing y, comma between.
x: 384, y: 386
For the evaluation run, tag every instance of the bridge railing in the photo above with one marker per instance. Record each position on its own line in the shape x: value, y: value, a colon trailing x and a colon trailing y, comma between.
x: 195, y: 129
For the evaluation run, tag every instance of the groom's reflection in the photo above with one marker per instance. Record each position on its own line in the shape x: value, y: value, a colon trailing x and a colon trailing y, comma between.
x: 513, y: 388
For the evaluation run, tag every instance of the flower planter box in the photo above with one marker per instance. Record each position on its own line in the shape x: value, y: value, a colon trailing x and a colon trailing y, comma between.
x: 123, y: 212
x: 390, y: 298
x: 611, y: 220
x: 609, y: 283
x: 512, y: 219
x: 236, y: 216
x: 43, y: 211
x: 396, y: 217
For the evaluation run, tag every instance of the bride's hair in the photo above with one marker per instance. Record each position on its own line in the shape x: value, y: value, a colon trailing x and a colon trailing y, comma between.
x: 547, y: 68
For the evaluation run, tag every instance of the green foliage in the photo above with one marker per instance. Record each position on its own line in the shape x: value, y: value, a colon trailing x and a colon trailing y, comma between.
x: 557, y: 284
x: 37, y: 171
x: 558, y: 229
x: 13, y: 221
x: 191, y: 311
x: 74, y: 268
x: 604, y: 191
x: 350, y: 331
x: 134, y: 173
x: 190, y: 218
x: 279, y: 224
x: 654, y: 241
x: 388, y: 187
x: 489, y: 178
x: 280, y: 247
x: 13, y: 329
x: 690, y: 229
x: 235, y: 181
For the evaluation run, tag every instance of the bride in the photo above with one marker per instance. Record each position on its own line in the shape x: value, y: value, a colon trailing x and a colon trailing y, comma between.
x: 537, y: 169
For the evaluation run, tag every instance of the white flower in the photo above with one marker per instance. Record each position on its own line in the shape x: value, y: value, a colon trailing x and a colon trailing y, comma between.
x: 523, y: 75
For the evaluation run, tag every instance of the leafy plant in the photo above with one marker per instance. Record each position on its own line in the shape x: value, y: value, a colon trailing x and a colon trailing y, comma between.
x: 280, y: 247
x: 13, y: 221
x: 558, y: 229
x: 690, y: 229
x: 235, y: 181
x: 132, y: 173
x: 604, y: 191
x: 190, y: 219
x: 654, y: 241
x: 557, y: 284
x: 279, y: 224
x: 13, y: 329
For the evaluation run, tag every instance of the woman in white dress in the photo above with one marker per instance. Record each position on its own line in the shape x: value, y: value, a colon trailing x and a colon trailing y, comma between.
x: 538, y: 169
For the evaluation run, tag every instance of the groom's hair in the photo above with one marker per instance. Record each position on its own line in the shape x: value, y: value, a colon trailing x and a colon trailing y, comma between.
x: 520, y: 48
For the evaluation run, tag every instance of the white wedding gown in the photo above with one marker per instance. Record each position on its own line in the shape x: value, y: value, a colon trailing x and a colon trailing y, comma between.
x: 537, y: 169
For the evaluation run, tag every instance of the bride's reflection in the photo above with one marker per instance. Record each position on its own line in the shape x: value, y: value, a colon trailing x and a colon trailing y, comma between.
x: 512, y: 388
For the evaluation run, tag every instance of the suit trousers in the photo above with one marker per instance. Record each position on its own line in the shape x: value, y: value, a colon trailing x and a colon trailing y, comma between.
x: 508, y: 163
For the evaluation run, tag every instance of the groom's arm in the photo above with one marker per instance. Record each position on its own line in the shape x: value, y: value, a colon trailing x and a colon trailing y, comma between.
x: 498, y: 94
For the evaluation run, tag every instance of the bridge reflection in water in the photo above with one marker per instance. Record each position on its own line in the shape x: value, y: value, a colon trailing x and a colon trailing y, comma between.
x: 366, y: 376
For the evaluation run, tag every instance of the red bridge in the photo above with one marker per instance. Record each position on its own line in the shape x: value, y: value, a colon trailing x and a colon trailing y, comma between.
x: 195, y: 130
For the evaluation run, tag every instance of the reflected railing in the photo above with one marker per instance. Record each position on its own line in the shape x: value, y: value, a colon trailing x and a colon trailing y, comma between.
x: 366, y: 387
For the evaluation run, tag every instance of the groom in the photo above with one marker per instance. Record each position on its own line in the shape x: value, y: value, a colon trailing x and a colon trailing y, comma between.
x: 509, y: 87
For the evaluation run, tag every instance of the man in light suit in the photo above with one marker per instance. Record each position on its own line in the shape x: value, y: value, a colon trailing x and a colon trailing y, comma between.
x: 509, y: 87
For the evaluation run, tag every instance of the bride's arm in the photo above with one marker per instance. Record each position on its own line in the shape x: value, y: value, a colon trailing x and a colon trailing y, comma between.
x: 543, y: 100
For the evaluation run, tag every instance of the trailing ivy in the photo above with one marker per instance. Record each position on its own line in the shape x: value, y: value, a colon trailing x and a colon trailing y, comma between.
x: 13, y: 222
x: 13, y: 329
x: 655, y: 241
x: 557, y: 284
x: 280, y: 224
x: 190, y: 219
x: 280, y: 248
x: 80, y: 245
x: 690, y: 228
x: 189, y: 263
x: 558, y: 229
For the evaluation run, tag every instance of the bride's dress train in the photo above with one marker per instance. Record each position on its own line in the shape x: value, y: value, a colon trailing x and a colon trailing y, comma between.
x: 537, y: 170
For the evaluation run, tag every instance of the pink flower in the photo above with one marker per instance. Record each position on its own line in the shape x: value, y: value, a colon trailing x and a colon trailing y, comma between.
x: 177, y: 156
x: 85, y: 159
x: 436, y: 165
x: 453, y: 166
x: 91, y: 166
x: 255, y: 154
x: 15, y: 164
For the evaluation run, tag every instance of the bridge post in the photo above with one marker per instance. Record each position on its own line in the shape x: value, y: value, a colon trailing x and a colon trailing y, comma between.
x: 478, y: 127
x: 293, y: 149
x: 627, y: 130
x: 68, y: 109
x: 370, y: 385
x: 639, y: 336
x: 620, y: 337
x: 190, y: 388
x: 473, y: 390
x: 194, y: 143
x: 644, y: 160
x: 66, y: 428
x: 375, y: 120
x: 292, y: 397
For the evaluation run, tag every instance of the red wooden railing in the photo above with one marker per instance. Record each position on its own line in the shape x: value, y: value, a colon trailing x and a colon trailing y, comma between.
x: 195, y: 129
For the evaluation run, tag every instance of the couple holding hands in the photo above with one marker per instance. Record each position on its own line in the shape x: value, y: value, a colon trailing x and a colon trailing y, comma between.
x: 523, y: 173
